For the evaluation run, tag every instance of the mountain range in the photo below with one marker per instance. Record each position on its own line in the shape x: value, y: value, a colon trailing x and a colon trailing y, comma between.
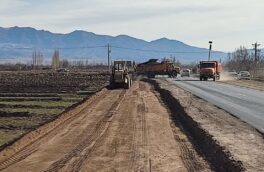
x: 20, y: 42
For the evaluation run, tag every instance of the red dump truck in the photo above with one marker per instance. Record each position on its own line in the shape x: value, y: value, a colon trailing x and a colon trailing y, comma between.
x: 152, y: 68
x: 210, y: 69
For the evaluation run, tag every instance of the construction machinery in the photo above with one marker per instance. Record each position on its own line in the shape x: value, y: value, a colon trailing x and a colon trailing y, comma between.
x: 152, y: 68
x: 210, y: 69
x: 121, y: 75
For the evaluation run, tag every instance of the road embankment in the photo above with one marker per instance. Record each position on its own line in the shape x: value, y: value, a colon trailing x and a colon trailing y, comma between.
x: 226, y: 142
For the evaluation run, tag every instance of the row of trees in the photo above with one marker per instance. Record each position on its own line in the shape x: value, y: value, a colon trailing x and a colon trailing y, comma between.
x: 37, y: 58
x: 56, y: 62
x: 244, y: 59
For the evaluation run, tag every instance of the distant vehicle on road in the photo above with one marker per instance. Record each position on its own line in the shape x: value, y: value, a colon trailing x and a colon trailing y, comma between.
x: 186, y: 72
x: 210, y: 69
x: 233, y: 73
x: 244, y: 75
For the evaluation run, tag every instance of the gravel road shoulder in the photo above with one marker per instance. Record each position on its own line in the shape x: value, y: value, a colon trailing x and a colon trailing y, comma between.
x: 252, y: 84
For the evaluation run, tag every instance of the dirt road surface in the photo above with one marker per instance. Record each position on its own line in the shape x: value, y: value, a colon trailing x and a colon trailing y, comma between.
x: 120, y: 130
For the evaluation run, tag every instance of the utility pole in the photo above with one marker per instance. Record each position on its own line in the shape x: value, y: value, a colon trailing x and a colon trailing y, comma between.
x: 255, y: 48
x: 256, y: 45
x: 210, y: 48
x: 108, y: 55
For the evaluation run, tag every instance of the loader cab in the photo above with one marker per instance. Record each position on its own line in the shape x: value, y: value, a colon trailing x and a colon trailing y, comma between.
x: 118, y: 66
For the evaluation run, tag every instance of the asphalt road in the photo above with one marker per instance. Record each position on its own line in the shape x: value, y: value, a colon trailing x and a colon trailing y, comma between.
x: 246, y: 104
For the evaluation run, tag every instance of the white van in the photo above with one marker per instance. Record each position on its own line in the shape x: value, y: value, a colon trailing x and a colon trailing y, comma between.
x: 185, y: 72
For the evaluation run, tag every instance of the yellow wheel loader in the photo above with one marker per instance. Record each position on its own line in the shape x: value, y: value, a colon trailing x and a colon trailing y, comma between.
x: 120, y: 75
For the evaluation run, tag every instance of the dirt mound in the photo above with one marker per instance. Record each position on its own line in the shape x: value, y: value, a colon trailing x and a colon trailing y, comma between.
x: 217, y: 155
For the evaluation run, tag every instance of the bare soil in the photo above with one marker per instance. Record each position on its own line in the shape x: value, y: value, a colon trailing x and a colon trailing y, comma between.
x: 115, y: 130
x: 227, y: 142
x: 50, y: 82
x: 29, y: 99
x: 145, y: 128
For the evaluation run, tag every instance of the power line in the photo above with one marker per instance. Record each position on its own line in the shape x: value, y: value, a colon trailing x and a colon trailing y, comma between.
x: 113, y: 46
x: 52, y: 48
x: 19, y: 48
x: 86, y: 47
x: 161, y: 51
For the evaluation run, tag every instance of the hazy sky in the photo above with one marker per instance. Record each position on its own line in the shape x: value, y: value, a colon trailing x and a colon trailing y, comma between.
x: 228, y: 23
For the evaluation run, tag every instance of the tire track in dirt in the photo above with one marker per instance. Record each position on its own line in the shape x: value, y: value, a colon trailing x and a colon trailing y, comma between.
x: 73, y: 160
x: 134, y: 145
x: 191, y: 158
x: 188, y: 155
x: 140, y: 154
x: 114, y: 150
x: 219, y: 157
x: 32, y: 147
x: 134, y: 148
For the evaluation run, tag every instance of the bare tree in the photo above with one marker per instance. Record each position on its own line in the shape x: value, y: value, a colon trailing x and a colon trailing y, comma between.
x: 240, y: 59
x: 37, y: 59
x: 56, y: 59
x: 65, y: 63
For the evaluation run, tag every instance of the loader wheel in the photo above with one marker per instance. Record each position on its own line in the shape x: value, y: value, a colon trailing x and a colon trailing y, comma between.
x: 174, y: 74
x: 112, y: 83
x: 149, y: 76
x: 128, y: 84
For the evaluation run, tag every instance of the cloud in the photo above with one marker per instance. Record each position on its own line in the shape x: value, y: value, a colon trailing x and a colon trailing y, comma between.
x: 101, y: 13
x: 226, y: 22
x: 8, y: 6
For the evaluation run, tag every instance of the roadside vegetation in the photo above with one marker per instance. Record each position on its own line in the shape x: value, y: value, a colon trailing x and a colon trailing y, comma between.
x: 243, y: 59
